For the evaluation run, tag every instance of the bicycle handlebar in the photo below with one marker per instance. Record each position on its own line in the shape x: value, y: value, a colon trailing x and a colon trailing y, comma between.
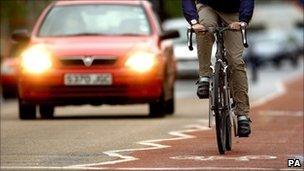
x: 213, y: 30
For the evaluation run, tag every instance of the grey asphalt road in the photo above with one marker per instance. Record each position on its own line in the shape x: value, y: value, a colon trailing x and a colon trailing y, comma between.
x: 80, y: 135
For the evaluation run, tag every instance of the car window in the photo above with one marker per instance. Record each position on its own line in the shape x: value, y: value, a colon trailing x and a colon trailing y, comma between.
x: 95, y: 19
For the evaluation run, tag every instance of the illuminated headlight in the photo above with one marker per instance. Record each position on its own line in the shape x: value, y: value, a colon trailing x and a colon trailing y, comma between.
x: 141, y: 61
x: 36, y: 59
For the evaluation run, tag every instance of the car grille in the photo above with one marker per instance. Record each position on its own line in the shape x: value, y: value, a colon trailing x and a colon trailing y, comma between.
x: 79, y: 61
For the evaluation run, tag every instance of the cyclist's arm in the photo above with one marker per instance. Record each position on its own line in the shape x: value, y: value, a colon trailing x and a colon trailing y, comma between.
x: 189, y: 10
x: 246, y: 10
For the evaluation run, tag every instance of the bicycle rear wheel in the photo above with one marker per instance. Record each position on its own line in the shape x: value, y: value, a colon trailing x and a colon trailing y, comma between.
x: 219, y: 108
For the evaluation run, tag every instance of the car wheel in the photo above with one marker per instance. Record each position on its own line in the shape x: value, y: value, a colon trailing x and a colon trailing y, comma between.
x: 46, y: 111
x: 27, y: 110
x: 6, y: 94
x: 294, y: 61
x: 170, y: 105
x: 157, y: 109
x: 277, y: 63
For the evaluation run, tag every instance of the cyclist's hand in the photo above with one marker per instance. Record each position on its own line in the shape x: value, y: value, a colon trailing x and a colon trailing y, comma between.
x: 236, y: 25
x: 198, y: 27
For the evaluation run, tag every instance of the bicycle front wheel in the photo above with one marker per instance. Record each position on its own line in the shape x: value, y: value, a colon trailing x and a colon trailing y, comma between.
x: 220, y: 109
x: 228, y: 134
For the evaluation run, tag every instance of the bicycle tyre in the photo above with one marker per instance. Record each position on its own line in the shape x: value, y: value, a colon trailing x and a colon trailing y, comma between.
x: 220, y: 123
x: 228, y: 134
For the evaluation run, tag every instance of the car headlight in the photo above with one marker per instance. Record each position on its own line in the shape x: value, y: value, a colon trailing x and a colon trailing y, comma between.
x: 141, y: 61
x: 36, y: 59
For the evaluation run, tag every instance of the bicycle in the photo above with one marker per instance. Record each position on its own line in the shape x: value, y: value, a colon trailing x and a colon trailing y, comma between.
x: 220, y: 100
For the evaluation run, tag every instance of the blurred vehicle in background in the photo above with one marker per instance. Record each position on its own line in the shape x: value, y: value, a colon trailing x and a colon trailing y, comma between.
x: 274, y: 47
x: 96, y: 52
x: 187, y: 61
x: 298, y: 34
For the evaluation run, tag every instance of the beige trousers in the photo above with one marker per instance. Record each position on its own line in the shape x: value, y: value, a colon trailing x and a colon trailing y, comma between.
x: 234, y: 48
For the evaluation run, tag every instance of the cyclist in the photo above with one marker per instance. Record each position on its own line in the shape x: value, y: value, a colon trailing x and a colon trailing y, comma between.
x: 209, y: 13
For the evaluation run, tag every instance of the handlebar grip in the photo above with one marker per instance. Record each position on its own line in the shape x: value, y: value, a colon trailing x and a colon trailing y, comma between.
x: 244, y: 36
x: 189, y: 38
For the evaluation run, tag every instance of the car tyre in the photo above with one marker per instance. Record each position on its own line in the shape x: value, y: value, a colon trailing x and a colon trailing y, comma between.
x: 157, y: 109
x: 46, y: 111
x: 6, y: 95
x: 27, y: 110
x: 294, y: 61
x: 170, y: 105
x: 277, y: 63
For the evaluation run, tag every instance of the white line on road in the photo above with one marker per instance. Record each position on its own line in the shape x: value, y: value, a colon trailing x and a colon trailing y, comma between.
x: 281, y: 113
x: 236, y: 158
x: 153, y: 145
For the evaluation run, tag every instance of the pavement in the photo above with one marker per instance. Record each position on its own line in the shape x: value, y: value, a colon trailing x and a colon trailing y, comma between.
x: 124, y: 138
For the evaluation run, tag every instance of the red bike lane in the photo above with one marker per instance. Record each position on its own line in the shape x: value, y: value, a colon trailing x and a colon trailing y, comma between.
x: 277, y: 135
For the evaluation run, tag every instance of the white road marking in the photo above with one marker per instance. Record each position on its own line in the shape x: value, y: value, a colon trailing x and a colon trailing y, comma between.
x: 153, y: 145
x: 236, y: 158
x: 281, y: 113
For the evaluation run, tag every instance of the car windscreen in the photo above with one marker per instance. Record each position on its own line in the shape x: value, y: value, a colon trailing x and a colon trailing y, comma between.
x: 95, y: 19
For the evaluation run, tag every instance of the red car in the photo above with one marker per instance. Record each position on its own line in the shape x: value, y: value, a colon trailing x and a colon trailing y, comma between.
x: 96, y: 52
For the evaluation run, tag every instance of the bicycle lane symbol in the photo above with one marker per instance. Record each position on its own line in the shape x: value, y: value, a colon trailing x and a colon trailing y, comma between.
x: 212, y: 158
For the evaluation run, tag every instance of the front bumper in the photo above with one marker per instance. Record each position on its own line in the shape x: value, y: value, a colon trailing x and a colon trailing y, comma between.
x: 126, y: 88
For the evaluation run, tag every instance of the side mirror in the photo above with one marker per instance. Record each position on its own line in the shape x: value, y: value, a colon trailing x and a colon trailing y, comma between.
x: 170, y: 34
x: 21, y: 35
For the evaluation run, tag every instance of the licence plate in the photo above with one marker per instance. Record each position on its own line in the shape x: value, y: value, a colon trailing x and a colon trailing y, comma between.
x: 87, y: 79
